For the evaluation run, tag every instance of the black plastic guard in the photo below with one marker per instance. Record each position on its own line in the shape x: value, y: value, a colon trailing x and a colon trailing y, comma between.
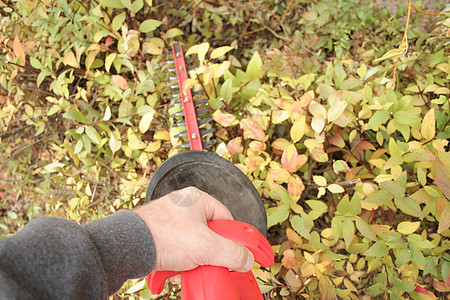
x: 214, y: 175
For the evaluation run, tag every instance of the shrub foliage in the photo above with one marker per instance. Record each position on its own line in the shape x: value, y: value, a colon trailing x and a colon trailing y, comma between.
x: 338, y: 113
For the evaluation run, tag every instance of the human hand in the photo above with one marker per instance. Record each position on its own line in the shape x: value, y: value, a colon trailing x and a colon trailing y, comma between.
x: 183, y: 241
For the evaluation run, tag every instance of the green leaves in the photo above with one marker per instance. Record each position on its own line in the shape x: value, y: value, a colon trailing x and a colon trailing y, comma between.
x: 378, y: 249
x: 378, y: 118
x: 75, y: 115
x: 254, y: 67
x: 218, y: 52
x: 149, y: 25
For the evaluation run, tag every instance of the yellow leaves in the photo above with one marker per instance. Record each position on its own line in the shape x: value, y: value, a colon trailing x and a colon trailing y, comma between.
x: 408, y: 227
x: 335, y: 188
x: 134, y: 143
x: 218, y: 52
x: 298, y: 129
x: 224, y: 119
x: 320, y: 180
x: 202, y: 50
x: 70, y: 59
x: 146, y: 120
x: 428, y: 127
x: 162, y: 135
x: 316, y: 264
x: 394, y: 53
x: 109, y: 60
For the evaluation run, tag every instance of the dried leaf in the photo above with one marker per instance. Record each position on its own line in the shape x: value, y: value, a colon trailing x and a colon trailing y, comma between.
x: 336, y: 110
x: 444, y: 222
x: 288, y: 259
x: 120, y: 81
x: 18, y: 50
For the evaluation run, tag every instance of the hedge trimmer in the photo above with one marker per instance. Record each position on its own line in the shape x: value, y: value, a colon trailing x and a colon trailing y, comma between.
x: 225, y: 182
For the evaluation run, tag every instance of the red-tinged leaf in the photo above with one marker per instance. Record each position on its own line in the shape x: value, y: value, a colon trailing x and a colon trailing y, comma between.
x: 251, y: 130
x: 224, y: 119
x: 120, y: 81
x: 319, y: 155
x: 338, y: 140
x: 306, y: 99
x: 289, y: 158
x: 222, y: 134
x: 18, y: 50
x: 288, y: 259
x: 423, y: 290
x: 295, y: 188
x: 234, y: 145
x: 443, y: 287
x: 301, y: 160
x: 257, y: 146
x: 282, y: 103
x: 280, y: 144
x: 278, y: 175
x: 363, y: 145
x: 444, y: 222
x: 108, y: 41
x: 243, y: 168
x: 444, y: 185
x: 296, y: 108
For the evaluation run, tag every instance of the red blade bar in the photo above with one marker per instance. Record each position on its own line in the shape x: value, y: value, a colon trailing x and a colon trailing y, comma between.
x: 187, y: 100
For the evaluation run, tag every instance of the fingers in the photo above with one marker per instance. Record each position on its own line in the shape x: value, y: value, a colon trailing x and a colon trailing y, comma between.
x: 233, y: 255
x: 215, y: 210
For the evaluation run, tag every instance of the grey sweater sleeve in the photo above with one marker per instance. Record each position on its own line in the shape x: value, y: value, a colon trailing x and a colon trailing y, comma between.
x: 53, y: 258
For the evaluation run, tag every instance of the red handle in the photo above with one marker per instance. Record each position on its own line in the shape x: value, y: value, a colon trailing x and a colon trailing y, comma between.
x: 211, y: 282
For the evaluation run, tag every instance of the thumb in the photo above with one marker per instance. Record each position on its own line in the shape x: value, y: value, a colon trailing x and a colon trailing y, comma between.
x: 229, y: 254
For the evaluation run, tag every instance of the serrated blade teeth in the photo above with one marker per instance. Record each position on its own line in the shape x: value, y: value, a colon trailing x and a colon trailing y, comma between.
x: 190, y: 59
x: 200, y: 102
x: 173, y: 86
x: 203, y: 122
x: 170, y: 78
x: 175, y: 104
x: 209, y: 143
x: 204, y: 133
x: 174, y: 95
x: 170, y: 70
x: 177, y: 114
x: 196, y: 103
x: 202, y: 111
x: 181, y: 134
x: 189, y: 68
x: 169, y: 62
x: 196, y: 93
x: 184, y: 145
x: 179, y: 124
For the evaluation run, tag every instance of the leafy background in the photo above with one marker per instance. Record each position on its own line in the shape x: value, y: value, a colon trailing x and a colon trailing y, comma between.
x: 338, y: 112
